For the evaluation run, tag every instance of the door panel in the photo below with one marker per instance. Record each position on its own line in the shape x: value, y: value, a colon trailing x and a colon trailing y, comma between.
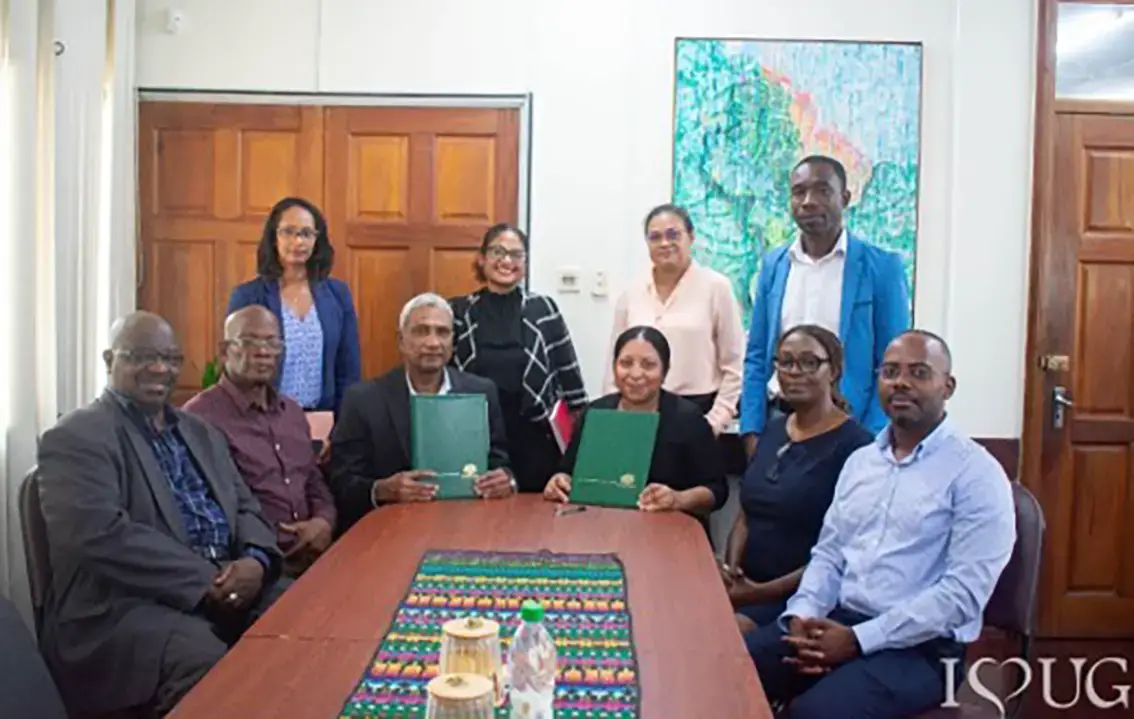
x: 1088, y: 466
x: 187, y: 270
x: 208, y: 175
x: 410, y: 192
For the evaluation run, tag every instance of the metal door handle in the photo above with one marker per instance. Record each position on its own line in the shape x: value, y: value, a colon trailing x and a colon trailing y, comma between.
x: 1060, y: 403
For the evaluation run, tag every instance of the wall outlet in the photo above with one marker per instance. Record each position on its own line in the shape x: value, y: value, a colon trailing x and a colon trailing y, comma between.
x: 569, y: 280
x: 600, y: 288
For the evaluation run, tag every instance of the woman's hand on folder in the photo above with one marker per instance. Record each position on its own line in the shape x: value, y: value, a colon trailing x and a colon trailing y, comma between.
x: 558, y: 488
x: 657, y: 498
x: 405, y: 487
x: 494, y: 484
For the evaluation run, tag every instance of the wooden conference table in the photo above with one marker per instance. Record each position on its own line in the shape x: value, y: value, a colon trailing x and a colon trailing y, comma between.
x: 303, y: 658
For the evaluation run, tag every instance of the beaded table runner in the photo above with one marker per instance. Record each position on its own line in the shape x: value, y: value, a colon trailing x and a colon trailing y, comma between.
x: 586, y: 613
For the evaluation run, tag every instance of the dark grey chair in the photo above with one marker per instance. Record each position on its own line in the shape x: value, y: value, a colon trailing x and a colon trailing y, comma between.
x: 26, y: 687
x: 35, y: 545
x: 1011, y: 609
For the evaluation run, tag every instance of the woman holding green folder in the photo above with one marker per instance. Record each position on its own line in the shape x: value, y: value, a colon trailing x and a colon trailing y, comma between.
x: 686, y: 471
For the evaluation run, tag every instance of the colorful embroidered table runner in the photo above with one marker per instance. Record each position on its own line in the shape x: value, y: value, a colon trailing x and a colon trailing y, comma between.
x: 586, y: 613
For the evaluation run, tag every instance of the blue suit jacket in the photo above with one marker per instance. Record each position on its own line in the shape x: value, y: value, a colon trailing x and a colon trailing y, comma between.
x: 875, y: 310
x: 335, y: 306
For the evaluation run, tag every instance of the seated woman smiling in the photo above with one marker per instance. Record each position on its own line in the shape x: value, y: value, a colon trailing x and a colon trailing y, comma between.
x: 686, y: 470
x: 790, y: 480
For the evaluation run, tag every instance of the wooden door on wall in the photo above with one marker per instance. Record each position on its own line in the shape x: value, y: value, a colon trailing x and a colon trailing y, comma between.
x: 1086, y: 311
x: 207, y: 175
x: 408, y: 192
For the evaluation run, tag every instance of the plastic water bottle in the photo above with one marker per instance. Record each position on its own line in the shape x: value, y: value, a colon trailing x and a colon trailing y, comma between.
x: 531, y: 666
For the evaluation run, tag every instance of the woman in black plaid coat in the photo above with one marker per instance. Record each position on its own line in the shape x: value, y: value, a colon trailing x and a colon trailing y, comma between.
x: 519, y: 340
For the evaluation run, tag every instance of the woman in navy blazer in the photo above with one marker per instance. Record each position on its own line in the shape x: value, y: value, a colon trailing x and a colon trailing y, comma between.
x: 316, y: 312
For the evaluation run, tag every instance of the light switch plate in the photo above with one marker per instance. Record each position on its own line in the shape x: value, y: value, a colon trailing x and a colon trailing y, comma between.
x: 569, y: 280
x: 600, y: 288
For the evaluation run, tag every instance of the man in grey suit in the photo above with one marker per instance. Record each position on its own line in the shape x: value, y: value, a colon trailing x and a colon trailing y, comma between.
x: 370, y: 445
x: 160, y: 558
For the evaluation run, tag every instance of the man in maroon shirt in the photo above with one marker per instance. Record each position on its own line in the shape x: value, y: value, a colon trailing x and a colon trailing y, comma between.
x: 269, y: 438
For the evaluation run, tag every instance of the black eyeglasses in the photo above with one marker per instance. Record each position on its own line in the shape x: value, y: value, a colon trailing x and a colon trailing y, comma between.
x: 807, y: 364
x: 306, y: 233
x: 773, y: 475
x: 498, y: 253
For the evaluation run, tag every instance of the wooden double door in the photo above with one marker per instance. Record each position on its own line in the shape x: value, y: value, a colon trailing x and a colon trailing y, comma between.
x: 408, y: 193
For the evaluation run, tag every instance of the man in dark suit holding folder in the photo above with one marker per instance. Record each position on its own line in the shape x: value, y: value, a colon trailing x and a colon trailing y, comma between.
x: 371, y: 460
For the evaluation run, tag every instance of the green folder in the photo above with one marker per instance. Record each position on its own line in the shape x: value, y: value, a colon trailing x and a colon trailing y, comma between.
x: 614, y: 457
x: 449, y: 435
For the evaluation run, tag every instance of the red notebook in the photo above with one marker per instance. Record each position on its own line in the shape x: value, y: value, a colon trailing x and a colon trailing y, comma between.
x: 562, y: 424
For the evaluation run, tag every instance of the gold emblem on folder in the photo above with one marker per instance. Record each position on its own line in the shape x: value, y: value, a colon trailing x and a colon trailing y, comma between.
x: 627, y: 480
x: 469, y: 471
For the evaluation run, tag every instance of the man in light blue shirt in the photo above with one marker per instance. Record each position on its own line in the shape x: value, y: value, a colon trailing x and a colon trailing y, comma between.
x: 921, y: 526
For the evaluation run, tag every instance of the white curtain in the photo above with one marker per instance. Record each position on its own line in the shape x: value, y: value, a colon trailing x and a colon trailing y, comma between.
x: 67, y: 192
x: 28, y: 301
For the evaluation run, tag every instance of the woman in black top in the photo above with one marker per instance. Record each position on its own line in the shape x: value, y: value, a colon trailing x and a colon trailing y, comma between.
x: 686, y: 471
x: 790, y: 481
x: 518, y: 340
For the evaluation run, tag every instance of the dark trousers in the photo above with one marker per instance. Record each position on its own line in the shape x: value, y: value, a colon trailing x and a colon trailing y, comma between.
x: 888, y: 684
x: 532, y: 450
x: 762, y: 614
x: 191, y: 653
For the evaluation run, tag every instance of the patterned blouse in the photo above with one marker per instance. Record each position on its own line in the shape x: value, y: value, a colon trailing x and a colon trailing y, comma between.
x: 302, y: 375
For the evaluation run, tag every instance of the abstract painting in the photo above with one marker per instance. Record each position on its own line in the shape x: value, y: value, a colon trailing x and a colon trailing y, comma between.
x: 746, y: 111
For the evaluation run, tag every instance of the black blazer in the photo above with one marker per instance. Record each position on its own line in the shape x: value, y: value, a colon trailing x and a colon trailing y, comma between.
x: 371, y: 438
x: 686, y: 454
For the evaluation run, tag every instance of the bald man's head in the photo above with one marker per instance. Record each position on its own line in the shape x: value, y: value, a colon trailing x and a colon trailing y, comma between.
x: 137, y: 327
x: 254, y: 316
x: 915, y: 379
x: 144, y: 360
x: 251, y: 347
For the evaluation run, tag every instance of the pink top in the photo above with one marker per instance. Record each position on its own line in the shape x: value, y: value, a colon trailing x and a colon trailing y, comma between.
x: 701, y: 320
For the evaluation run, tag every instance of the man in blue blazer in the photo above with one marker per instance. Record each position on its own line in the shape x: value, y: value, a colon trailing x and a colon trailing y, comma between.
x: 830, y: 278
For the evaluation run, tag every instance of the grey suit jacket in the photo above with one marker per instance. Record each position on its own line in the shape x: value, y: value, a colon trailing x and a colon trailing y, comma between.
x: 124, y: 578
x: 371, y: 438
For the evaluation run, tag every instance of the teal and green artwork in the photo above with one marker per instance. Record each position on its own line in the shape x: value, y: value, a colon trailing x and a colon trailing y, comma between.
x: 746, y: 111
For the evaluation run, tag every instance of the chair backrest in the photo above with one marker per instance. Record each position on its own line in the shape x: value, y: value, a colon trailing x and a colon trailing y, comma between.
x: 1013, y: 603
x: 35, y: 543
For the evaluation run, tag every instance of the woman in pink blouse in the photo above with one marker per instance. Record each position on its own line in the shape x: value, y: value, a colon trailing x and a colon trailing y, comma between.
x: 695, y: 309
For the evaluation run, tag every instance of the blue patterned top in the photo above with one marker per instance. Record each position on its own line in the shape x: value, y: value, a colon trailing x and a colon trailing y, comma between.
x: 302, y: 375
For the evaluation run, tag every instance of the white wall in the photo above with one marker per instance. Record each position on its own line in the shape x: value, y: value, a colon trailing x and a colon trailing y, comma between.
x: 601, y: 74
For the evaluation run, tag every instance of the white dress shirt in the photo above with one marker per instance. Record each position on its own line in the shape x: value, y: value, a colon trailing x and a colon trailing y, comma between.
x: 814, y: 291
x: 446, y: 386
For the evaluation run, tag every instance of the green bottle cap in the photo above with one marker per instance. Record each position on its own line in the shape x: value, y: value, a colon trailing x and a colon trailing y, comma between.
x: 531, y: 611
